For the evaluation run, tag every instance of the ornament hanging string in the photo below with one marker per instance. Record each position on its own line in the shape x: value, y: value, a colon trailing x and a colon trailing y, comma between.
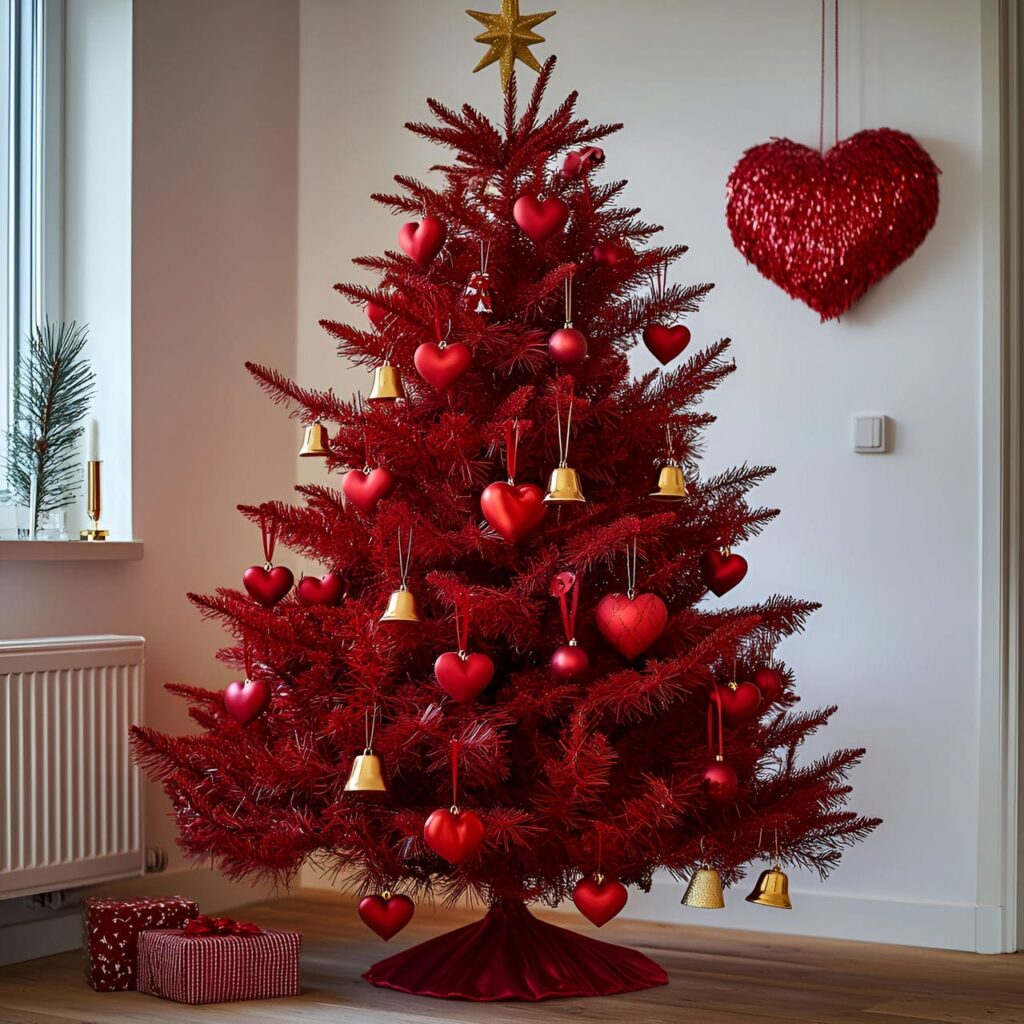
x: 568, y: 301
x: 462, y: 616
x: 511, y: 450
x: 716, y: 702
x: 485, y: 255
x: 404, y: 561
x: 563, y: 445
x: 268, y: 530
x: 564, y: 584
x: 370, y: 726
x: 821, y: 100
x: 631, y: 563
x: 361, y: 412
x: 456, y: 744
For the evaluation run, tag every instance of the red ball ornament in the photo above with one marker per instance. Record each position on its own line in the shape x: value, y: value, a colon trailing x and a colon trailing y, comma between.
x: 567, y: 346
x: 512, y: 509
x: 631, y: 624
x: 540, y: 220
x: 364, y: 488
x: 326, y: 590
x: 441, y: 365
x: 770, y: 682
x: 739, y: 702
x: 245, y: 702
x: 666, y: 342
x: 422, y: 241
x: 388, y: 914
x: 827, y: 228
x: 720, y: 782
x: 463, y: 676
x: 599, y: 899
x: 722, y: 570
x: 569, y: 662
x: 267, y: 584
x: 454, y: 835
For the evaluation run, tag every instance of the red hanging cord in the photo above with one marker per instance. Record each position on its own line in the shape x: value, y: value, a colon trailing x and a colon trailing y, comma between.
x: 462, y: 615
x: 716, y: 701
x: 511, y: 449
x: 564, y: 588
x: 455, y: 773
x: 821, y: 96
x: 269, y: 533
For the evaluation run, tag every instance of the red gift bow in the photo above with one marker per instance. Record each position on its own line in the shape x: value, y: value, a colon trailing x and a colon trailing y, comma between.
x: 203, y: 925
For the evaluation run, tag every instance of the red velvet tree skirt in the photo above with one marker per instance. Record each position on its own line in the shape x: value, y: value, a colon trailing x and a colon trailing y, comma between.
x: 511, y: 954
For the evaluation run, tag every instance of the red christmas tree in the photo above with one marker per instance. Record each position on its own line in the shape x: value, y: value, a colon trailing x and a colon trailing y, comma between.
x: 664, y: 736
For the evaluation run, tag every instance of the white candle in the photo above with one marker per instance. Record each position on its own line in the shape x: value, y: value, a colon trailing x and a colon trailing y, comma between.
x: 92, y: 448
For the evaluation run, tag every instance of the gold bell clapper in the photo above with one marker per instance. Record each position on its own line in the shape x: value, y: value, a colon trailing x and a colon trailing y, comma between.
x: 772, y: 890
x: 402, y: 607
x: 564, y: 485
x: 671, y: 484
x: 314, y: 442
x: 387, y: 384
x: 366, y: 776
x: 705, y: 890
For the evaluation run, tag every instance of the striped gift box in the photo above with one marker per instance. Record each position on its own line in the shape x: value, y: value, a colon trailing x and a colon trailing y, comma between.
x: 218, y: 968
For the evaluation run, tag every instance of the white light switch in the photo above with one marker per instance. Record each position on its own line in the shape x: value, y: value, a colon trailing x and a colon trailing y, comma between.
x: 871, y: 434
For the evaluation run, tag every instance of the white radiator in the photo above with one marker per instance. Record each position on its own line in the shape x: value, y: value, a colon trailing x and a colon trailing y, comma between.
x: 70, y: 796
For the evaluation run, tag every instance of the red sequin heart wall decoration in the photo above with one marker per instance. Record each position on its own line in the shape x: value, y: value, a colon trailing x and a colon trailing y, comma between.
x: 825, y: 228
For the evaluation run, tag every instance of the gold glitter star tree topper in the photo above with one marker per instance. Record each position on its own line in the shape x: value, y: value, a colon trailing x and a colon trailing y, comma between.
x: 509, y: 35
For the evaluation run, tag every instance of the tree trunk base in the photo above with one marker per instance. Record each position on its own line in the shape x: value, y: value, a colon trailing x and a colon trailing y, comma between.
x: 511, y: 954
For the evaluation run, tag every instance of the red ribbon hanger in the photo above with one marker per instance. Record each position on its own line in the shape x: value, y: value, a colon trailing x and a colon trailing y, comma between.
x: 268, y: 529
x: 511, y: 449
x: 203, y: 925
x: 455, y: 773
x: 715, y: 702
x: 564, y: 584
x: 462, y: 617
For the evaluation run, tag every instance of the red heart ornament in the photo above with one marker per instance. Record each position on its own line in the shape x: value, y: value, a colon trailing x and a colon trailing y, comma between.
x: 827, y: 228
x: 512, y: 509
x: 463, y: 679
x: 540, y: 220
x: 666, y: 342
x: 377, y: 314
x: 387, y: 917
x: 422, y: 241
x: 770, y: 682
x: 364, y: 490
x: 267, y: 586
x: 600, y: 901
x: 722, y: 571
x: 326, y: 590
x: 454, y: 837
x: 245, y: 702
x: 740, y: 703
x: 631, y: 625
x: 441, y: 366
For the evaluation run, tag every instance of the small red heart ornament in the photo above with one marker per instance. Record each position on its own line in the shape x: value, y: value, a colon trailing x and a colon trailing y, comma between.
x: 463, y: 679
x: 245, y: 702
x: 540, y: 220
x: 512, y: 509
x: 441, y: 366
x: 740, y: 702
x: 267, y: 586
x: 364, y: 490
x: 600, y: 901
x: 770, y: 682
x: 326, y: 590
x: 666, y: 342
x: 631, y: 624
x: 422, y: 241
x: 387, y: 917
x: 454, y: 837
x: 722, y: 570
x: 825, y: 228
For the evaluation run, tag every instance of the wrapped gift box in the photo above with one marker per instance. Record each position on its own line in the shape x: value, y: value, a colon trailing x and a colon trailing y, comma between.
x: 110, y: 935
x: 219, y: 968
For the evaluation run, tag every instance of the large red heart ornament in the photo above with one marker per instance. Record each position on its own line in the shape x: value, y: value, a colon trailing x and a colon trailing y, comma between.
x: 267, y: 586
x: 827, y: 228
x: 455, y: 837
x: 245, y: 702
x: 441, y: 366
x: 600, y: 901
x: 463, y: 678
x: 722, y: 570
x: 540, y: 220
x: 666, y: 342
x: 739, y: 702
x: 422, y: 241
x: 364, y: 490
x: 512, y: 509
x: 387, y: 917
x: 631, y: 624
x: 327, y: 590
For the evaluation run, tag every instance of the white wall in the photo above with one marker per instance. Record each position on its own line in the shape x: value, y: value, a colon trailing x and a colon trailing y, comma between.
x: 214, y: 204
x: 890, y: 544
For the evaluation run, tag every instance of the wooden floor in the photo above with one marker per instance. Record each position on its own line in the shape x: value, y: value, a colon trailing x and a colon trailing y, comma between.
x: 716, y: 977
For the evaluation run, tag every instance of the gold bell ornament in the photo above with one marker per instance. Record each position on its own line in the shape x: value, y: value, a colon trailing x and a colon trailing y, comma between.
x: 314, y: 442
x: 772, y: 889
x: 671, y: 484
x: 705, y: 890
x: 564, y: 485
x: 387, y: 384
x: 402, y: 604
x: 367, y: 775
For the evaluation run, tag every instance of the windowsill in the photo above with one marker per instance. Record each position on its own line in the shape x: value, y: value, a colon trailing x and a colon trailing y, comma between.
x: 70, y: 551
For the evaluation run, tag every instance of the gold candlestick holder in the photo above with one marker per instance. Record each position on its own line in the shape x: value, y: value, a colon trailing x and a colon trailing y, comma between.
x: 93, y: 502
